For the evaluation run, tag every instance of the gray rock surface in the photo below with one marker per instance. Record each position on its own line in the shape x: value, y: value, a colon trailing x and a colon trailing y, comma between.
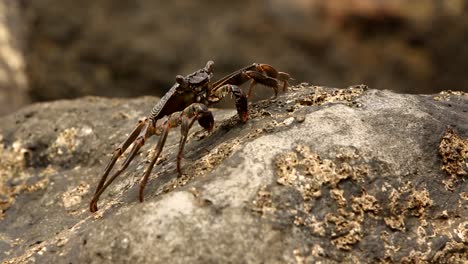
x: 318, y: 174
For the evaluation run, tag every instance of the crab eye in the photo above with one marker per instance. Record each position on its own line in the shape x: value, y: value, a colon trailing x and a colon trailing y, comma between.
x: 209, y: 66
x: 181, y: 80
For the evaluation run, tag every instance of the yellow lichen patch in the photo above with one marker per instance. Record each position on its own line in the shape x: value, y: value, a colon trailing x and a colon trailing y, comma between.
x: 308, y: 255
x: 307, y: 172
x: 393, y: 202
x: 16, y: 177
x: 39, y: 185
x: 68, y: 141
x: 263, y: 204
x: 464, y: 196
x: 317, y: 227
x: 12, y: 164
x: 49, y: 170
x: 321, y: 96
x: 462, y: 231
x: 365, y: 203
x: 346, y: 232
x: 390, y: 248
x: 337, y: 201
x: 337, y: 195
x: 73, y: 196
x: 447, y: 95
x: 416, y: 204
x: 454, y: 152
x: 418, y: 201
x: 453, y: 252
x: 311, y: 175
x: 395, y: 222
x: 414, y: 257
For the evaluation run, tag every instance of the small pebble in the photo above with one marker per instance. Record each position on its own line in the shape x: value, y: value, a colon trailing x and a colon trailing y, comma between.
x: 288, y: 121
x: 300, y: 118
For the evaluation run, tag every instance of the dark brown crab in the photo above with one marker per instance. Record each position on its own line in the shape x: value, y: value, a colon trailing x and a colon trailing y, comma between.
x: 184, y: 103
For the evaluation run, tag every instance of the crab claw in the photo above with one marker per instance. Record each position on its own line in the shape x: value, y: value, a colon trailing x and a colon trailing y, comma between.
x: 207, y: 121
x: 245, y: 117
x: 242, y: 106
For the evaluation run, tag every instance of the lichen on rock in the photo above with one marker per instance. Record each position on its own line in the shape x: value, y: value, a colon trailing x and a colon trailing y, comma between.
x: 454, y: 152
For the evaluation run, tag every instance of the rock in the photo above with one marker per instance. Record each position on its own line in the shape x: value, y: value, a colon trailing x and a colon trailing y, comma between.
x: 317, y: 174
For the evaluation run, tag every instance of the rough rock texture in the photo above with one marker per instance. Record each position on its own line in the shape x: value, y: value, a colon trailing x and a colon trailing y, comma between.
x: 122, y: 48
x: 318, y: 174
x: 13, y: 84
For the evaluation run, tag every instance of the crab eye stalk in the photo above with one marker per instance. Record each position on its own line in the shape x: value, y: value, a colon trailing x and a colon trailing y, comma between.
x: 209, y: 66
x: 181, y: 80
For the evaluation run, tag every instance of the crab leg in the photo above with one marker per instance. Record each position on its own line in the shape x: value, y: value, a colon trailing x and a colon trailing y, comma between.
x: 241, y: 100
x: 257, y: 73
x: 184, y: 129
x: 118, y: 152
x: 272, y: 72
x: 159, y: 147
x: 185, y: 119
x: 138, y: 143
x: 258, y: 77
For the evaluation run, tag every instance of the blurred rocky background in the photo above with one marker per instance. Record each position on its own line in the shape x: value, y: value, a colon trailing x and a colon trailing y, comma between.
x: 52, y: 49
x: 14, y: 89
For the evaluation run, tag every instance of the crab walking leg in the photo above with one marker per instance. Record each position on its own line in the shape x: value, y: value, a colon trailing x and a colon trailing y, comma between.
x: 185, y: 119
x: 139, y: 142
x: 185, y: 127
x: 159, y: 147
x: 118, y: 152
x: 284, y: 77
x: 241, y: 100
x: 273, y: 73
x: 258, y: 77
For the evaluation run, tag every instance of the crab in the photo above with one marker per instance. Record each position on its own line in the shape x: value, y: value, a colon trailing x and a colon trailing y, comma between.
x: 186, y: 102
